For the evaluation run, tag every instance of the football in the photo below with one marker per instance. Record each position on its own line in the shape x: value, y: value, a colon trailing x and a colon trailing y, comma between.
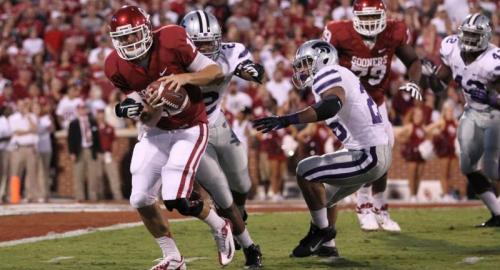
x: 174, y: 102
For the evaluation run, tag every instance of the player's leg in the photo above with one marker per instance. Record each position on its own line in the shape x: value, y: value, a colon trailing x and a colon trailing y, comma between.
x: 233, y: 159
x: 211, y: 176
x: 145, y: 168
x: 380, y: 205
x: 490, y: 167
x: 471, y: 138
x: 344, y: 172
x: 177, y: 184
x: 364, y: 209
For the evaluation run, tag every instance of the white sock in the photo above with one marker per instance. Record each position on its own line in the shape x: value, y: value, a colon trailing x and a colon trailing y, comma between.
x: 244, y: 239
x: 214, y: 221
x: 168, y: 247
x: 363, y: 195
x: 320, y: 218
x: 378, y: 200
x: 491, y: 202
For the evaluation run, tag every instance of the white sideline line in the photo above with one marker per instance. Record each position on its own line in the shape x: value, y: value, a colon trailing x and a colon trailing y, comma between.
x: 79, y: 232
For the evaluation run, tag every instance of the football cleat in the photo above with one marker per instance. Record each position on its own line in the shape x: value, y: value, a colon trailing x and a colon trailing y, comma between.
x: 328, y: 249
x: 169, y: 263
x: 225, y: 243
x: 366, y: 217
x: 384, y: 220
x: 253, y: 257
x: 494, y: 221
x: 314, y: 239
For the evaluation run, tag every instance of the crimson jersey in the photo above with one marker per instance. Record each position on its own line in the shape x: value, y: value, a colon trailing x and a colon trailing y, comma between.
x: 372, y: 66
x: 171, y: 53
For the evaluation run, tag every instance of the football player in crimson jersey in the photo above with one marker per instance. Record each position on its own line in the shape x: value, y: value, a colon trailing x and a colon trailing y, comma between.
x: 170, y: 147
x: 366, y: 46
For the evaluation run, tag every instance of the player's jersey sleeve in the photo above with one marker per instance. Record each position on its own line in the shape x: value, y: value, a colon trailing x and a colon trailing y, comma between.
x: 330, y: 33
x: 325, y: 79
x: 113, y: 75
x: 401, y: 34
x: 447, y: 46
x: 176, y: 38
x: 494, y: 67
x: 235, y: 54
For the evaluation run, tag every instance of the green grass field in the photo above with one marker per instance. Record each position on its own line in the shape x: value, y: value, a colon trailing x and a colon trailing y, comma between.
x: 432, y: 239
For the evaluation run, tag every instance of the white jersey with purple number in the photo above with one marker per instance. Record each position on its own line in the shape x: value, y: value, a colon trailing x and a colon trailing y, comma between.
x: 358, y: 124
x: 479, y: 74
x: 231, y: 55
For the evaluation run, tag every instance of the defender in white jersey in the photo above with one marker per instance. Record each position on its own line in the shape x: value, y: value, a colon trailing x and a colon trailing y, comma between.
x: 223, y: 170
x: 474, y: 63
x: 354, y: 117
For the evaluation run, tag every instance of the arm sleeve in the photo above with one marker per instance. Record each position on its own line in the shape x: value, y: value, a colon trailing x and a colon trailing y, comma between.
x: 111, y: 72
x: 327, y: 78
x: 200, y: 62
x: 238, y: 55
x: 184, y: 47
x: 402, y: 34
x: 447, y: 48
x: 329, y: 35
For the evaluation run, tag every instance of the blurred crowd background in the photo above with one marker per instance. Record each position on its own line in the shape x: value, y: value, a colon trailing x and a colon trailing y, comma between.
x: 51, y: 80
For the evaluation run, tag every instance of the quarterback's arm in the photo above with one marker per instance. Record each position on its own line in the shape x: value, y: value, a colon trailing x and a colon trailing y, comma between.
x: 330, y: 104
x: 202, y: 71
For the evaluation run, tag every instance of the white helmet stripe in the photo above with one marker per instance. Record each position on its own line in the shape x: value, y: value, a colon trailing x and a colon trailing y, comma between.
x: 473, y: 19
x: 204, y: 27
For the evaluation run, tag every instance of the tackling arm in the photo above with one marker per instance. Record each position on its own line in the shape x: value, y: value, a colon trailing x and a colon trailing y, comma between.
x: 330, y: 104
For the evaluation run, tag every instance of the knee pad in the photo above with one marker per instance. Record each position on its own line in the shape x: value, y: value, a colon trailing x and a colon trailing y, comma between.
x: 479, y: 182
x: 185, y: 207
x: 139, y: 200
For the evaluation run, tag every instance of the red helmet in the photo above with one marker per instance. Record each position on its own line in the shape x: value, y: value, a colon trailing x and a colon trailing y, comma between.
x: 131, y: 32
x: 369, y: 17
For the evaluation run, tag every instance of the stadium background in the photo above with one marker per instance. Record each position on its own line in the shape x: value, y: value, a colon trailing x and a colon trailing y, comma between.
x: 52, y: 53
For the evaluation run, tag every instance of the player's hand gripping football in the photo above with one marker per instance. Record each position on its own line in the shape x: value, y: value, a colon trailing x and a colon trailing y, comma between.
x: 128, y: 108
x: 413, y: 89
x: 175, y: 81
x: 268, y: 124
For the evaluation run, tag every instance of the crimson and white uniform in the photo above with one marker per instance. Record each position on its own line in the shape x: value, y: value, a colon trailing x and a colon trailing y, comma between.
x: 167, y: 155
x: 372, y: 66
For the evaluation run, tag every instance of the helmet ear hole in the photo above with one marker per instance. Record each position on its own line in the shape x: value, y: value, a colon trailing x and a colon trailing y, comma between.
x: 325, y: 61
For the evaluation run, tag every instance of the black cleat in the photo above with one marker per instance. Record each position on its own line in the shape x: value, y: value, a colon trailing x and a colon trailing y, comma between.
x: 326, y: 251
x: 253, y: 257
x: 313, y: 241
x: 494, y: 221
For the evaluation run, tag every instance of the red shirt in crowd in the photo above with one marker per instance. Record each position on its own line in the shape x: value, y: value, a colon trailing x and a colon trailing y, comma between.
x: 106, y: 137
